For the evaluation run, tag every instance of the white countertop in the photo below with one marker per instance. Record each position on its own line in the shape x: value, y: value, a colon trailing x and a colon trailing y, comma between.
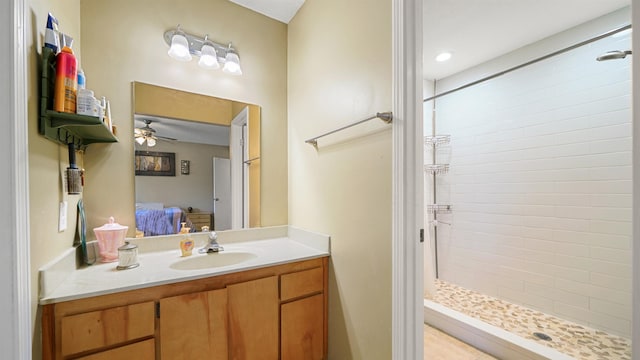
x: 62, y: 280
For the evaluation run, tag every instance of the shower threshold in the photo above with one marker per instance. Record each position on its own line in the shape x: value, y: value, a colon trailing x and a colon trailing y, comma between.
x: 506, y: 330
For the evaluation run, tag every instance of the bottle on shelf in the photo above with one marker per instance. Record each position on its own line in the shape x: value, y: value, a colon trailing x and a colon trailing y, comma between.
x: 66, y: 83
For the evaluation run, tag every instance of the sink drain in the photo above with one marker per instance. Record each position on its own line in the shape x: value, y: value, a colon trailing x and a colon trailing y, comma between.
x: 542, y: 336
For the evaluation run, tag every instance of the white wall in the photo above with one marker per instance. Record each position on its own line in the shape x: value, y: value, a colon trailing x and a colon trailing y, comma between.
x: 540, y: 184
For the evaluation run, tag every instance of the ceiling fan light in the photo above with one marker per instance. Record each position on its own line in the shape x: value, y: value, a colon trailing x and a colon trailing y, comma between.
x: 151, y: 142
x: 140, y: 140
x: 179, y: 49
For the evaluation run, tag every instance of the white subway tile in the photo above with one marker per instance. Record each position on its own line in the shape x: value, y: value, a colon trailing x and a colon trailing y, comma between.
x: 610, y: 241
x: 531, y: 300
x: 573, y: 262
x: 612, y: 255
x: 570, y: 249
x: 523, y: 276
x: 611, y: 200
x: 576, y: 237
x: 610, y: 308
x: 558, y: 295
x: 610, y: 227
x: 611, y: 282
x: 611, y: 268
x: 623, y: 187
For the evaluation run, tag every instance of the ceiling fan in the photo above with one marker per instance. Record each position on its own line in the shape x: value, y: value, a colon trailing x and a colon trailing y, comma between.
x: 148, y: 134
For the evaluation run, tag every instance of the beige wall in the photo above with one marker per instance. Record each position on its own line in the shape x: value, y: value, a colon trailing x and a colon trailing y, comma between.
x: 140, y: 55
x: 123, y: 42
x: 47, y: 158
x: 340, y: 72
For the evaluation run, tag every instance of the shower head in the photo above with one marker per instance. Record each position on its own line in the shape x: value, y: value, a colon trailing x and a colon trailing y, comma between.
x: 611, y: 55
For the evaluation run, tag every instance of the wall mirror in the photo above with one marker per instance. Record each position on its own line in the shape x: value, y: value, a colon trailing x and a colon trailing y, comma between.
x: 214, y: 177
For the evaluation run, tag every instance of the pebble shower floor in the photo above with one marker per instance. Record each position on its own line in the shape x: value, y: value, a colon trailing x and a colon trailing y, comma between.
x: 578, y: 341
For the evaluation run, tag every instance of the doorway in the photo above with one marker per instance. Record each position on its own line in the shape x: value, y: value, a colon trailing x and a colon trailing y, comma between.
x: 221, y: 194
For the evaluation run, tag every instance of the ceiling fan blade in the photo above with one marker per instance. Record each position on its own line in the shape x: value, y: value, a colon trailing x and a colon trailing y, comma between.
x: 166, y: 138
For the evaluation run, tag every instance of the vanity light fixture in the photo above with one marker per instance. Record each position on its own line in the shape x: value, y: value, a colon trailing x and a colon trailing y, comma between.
x: 212, y: 55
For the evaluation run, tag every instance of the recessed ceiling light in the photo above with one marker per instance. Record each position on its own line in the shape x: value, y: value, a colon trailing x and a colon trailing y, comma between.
x: 444, y: 56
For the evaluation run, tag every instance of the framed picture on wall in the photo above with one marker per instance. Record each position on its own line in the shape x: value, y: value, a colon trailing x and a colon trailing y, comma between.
x: 154, y: 163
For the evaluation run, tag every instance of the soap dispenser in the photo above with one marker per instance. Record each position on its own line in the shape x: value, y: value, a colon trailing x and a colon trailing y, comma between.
x: 186, y: 244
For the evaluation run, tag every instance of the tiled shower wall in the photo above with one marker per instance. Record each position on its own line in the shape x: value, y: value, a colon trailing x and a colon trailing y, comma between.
x: 540, y: 184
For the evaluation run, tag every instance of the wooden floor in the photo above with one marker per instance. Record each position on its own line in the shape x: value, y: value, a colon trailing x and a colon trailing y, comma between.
x: 440, y: 346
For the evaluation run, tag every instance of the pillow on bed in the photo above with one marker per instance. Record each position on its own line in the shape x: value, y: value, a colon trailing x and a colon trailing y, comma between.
x: 150, y: 205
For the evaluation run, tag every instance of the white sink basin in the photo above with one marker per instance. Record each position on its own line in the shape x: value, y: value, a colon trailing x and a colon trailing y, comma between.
x: 207, y: 261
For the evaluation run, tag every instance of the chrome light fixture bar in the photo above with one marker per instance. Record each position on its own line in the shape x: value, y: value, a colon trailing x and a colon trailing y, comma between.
x: 212, y: 55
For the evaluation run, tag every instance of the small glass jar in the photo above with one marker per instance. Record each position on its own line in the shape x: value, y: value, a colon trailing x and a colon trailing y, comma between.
x: 127, y: 256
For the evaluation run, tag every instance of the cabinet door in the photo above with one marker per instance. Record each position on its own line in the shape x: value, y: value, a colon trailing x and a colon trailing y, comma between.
x: 253, y: 319
x: 302, y: 327
x: 194, y: 326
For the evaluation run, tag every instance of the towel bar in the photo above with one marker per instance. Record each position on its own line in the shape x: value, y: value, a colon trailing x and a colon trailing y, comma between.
x: 387, y: 117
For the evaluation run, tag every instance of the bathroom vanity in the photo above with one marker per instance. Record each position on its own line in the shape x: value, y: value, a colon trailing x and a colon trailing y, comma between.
x: 263, y: 297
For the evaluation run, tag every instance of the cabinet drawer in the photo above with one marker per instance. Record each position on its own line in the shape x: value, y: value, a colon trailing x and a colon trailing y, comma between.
x: 301, y: 283
x: 108, y: 327
x: 144, y: 350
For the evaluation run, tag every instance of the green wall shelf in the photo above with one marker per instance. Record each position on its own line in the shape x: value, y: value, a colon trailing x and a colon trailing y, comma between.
x: 66, y: 128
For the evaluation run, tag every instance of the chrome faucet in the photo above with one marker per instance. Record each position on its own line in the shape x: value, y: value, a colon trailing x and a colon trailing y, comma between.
x: 213, y: 245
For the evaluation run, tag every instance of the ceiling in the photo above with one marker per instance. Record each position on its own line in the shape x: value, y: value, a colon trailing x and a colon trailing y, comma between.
x: 281, y: 10
x: 475, y: 30
x: 185, y: 131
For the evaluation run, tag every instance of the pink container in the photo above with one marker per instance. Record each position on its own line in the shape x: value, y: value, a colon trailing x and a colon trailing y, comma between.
x: 110, y: 237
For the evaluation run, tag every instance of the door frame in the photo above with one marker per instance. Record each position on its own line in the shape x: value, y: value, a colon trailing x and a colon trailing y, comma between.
x: 15, y: 268
x: 239, y: 212
x: 407, y: 250
x: 216, y: 197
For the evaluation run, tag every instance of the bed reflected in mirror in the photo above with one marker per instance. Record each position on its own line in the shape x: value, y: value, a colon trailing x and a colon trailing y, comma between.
x: 197, y: 162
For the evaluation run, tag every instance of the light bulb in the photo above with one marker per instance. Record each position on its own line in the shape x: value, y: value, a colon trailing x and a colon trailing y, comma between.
x: 151, y: 142
x: 140, y: 140
x: 179, y: 49
x: 209, y: 58
x: 232, y: 64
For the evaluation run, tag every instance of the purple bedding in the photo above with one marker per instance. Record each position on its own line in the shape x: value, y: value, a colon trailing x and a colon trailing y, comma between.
x: 161, y: 222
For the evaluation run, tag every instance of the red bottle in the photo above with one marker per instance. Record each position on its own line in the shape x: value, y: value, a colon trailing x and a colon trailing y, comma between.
x: 66, y: 85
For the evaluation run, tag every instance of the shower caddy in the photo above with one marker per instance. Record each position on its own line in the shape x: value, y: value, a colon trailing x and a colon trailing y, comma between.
x: 433, y: 142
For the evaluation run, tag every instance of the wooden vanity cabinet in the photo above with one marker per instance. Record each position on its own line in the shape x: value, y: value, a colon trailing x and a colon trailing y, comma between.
x: 194, y: 326
x: 254, y: 319
x: 277, y: 312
